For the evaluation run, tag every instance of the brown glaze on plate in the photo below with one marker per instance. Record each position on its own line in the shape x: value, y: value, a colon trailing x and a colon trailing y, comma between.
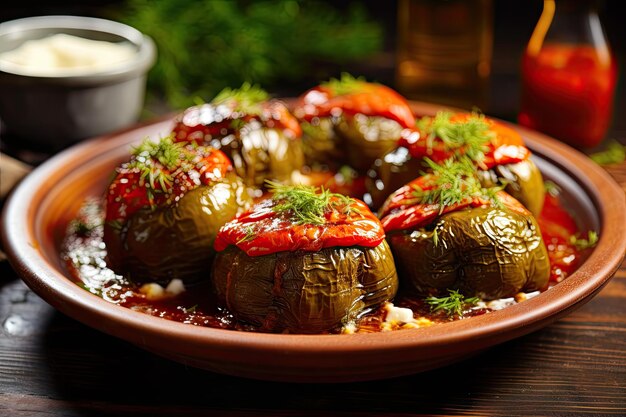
x: 37, y: 213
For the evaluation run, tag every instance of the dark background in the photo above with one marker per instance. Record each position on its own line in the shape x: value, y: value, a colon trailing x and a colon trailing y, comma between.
x: 514, y: 21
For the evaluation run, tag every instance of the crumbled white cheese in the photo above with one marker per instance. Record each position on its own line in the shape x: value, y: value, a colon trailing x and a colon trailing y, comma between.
x: 349, y: 328
x: 154, y: 291
x: 398, y: 314
x: 175, y: 287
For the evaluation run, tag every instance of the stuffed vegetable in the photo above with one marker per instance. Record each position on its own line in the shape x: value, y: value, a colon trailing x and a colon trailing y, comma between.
x: 448, y: 232
x: 164, y: 208
x: 498, y: 152
x: 260, y: 136
x: 304, y: 260
x: 351, y: 122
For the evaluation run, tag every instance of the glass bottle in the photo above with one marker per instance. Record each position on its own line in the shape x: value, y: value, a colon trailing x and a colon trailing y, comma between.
x: 569, y: 74
x: 444, y: 51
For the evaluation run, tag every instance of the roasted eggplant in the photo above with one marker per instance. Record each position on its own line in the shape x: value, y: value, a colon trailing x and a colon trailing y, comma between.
x: 498, y: 152
x: 303, y: 261
x: 164, y: 208
x: 447, y: 232
x: 351, y: 122
x: 259, y: 135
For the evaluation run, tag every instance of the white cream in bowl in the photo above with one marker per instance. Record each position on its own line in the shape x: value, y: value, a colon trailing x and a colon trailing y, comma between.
x: 63, y: 54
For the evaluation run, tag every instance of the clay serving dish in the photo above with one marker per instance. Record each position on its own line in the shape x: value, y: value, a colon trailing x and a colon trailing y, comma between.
x: 38, y: 211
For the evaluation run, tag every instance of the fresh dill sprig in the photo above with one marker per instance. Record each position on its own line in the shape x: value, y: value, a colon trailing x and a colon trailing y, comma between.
x: 452, y: 304
x: 157, y: 163
x: 551, y: 188
x: 347, y: 174
x: 581, y: 244
x: 166, y: 151
x: 116, y: 225
x: 615, y: 153
x: 465, y: 137
x: 191, y: 309
x: 453, y: 182
x: 347, y: 84
x: 306, y: 204
x: 246, y: 99
x: 435, y: 236
x: 249, y: 236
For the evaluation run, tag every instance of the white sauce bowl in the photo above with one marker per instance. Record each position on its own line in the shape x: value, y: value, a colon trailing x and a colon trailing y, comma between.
x: 56, y: 110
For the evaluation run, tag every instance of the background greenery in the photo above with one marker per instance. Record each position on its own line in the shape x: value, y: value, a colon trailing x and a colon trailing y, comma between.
x: 204, y: 46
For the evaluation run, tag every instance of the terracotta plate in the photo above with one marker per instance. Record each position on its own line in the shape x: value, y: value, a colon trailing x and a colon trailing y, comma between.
x: 38, y: 211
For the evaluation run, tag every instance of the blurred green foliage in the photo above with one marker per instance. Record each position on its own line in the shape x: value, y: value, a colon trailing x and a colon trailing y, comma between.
x: 206, y: 45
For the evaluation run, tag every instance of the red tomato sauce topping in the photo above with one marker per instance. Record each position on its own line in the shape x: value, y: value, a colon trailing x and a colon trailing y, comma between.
x: 505, y: 146
x: 262, y: 230
x: 361, y: 97
x: 150, y: 183
x: 402, y: 210
x: 204, y: 122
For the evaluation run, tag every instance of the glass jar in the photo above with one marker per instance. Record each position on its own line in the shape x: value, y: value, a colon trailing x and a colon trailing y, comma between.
x: 444, y: 51
x: 569, y: 74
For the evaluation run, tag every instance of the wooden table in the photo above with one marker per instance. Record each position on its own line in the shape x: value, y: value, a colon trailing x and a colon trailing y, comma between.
x: 54, y: 366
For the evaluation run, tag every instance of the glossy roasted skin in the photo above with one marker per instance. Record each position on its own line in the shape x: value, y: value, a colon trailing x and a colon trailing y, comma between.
x: 484, y: 251
x: 166, y: 230
x: 506, y: 162
x: 283, y: 266
x: 522, y: 180
x: 355, y: 120
x: 486, y: 247
x: 259, y: 135
x: 305, y: 292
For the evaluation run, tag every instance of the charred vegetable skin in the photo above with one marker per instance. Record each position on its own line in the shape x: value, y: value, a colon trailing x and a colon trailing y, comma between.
x: 497, y: 150
x: 353, y: 114
x: 285, y: 268
x: 164, y: 208
x: 259, y: 135
x: 490, y: 247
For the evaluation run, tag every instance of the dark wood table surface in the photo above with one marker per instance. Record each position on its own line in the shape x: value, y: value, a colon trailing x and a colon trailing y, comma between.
x: 52, y: 365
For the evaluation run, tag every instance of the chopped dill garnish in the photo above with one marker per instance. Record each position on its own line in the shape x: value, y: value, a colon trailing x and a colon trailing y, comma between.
x: 551, y: 188
x: 347, y: 84
x: 157, y: 163
x: 191, y: 309
x: 347, y: 174
x: 452, y: 304
x: 81, y: 227
x: 116, y: 225
x: 86, y: 287
x: 453, y: 182
x: 435, y: 237
x: 615, y: 153
x: 581, y: 244
x: 237, y: 124
x: 250, y: 235
x: 246, y: 99
x: 306, y: 204
x: 166, y: 151
x: 468, y: 137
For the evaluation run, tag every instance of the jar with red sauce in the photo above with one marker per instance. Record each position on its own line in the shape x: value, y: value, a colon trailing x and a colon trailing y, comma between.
x: 569, y: 74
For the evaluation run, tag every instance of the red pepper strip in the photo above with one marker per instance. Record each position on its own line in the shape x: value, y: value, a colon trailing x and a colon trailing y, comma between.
x: 371, y: 100
x: 403, y: 211
x: 128, y: 193
x: 262, y: 231
x: 505, y: 147
x: 204, y: 122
